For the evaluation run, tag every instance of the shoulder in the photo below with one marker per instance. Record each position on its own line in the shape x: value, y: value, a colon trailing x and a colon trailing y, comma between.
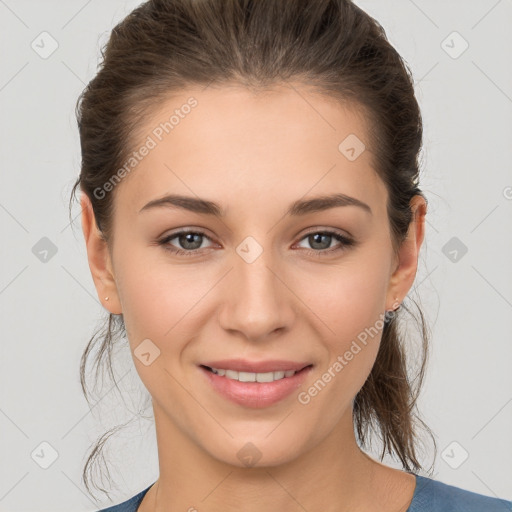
x: 434, y: 496
x: 130, y: 505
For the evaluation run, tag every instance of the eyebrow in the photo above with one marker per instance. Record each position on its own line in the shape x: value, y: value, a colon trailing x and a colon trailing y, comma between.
x: 297, y: 208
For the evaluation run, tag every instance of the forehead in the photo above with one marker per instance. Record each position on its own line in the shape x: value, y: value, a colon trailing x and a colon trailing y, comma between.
x: 229, y: 140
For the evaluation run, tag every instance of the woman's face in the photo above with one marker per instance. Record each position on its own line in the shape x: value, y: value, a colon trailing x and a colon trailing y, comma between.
x: 256, y: 284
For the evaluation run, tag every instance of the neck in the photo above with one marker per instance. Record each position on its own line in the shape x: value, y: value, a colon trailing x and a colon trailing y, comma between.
x: 334, y: 475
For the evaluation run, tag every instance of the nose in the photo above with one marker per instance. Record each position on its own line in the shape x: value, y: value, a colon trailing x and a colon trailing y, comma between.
x: 258, y: 301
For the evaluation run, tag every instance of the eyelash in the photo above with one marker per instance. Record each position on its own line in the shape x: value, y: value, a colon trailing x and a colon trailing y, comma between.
x: 345, y: 241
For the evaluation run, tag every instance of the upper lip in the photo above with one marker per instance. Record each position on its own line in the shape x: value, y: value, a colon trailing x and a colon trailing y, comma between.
x: 242, y: 365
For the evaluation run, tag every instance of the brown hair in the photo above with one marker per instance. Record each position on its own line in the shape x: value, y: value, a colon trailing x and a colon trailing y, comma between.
x: 164, y: 46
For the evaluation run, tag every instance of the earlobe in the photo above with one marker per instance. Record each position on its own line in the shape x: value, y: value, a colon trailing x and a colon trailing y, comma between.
x: 404, y: 275
x: 99, y: 259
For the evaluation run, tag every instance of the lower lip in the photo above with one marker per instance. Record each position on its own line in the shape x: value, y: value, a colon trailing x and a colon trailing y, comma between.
x: 256, y: 394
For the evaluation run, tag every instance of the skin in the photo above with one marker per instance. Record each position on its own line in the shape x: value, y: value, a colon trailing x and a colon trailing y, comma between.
x: 255, y: 154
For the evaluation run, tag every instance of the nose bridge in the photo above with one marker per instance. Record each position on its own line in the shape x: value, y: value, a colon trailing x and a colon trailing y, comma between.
x: 257, y: 301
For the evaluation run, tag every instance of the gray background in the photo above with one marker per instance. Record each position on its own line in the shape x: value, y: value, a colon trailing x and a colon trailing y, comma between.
x: 49, y: 308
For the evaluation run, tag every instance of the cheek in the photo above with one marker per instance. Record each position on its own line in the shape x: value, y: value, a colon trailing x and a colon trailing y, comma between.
x: 159, y: 300
x: 349, y: 298
x: 350, y: 303
x: 156, y: 307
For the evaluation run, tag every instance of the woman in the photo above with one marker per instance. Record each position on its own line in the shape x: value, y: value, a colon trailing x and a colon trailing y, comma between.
x: 253, y: 221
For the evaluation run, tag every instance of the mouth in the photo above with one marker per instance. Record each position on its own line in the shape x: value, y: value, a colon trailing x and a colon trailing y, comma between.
x: 243, y: 376
x: 255, y: 389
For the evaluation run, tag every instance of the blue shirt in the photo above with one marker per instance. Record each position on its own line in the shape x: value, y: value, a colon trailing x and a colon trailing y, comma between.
x: 429, y: 496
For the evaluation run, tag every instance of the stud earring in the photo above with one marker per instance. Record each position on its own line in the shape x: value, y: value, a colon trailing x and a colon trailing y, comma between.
x: 106, y: 298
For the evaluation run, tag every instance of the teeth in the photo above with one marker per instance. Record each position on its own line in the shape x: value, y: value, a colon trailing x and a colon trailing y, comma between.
x: 253, y: 377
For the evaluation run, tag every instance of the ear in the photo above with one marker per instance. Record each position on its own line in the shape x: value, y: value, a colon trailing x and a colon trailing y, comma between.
x: 405, y: 273
x: 99, y: 259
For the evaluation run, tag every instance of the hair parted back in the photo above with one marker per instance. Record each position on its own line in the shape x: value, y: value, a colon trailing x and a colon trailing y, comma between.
x: 164, y: 46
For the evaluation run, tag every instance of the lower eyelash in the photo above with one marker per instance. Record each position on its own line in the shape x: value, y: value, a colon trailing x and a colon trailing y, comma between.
x: 345, y: 241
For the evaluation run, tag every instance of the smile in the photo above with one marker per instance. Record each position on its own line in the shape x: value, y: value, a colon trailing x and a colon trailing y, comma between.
x: 255, y: 389
x: 253, y: 377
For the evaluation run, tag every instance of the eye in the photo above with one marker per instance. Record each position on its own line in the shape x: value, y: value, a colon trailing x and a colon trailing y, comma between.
x: 322, y: 240
x: 191, y: 241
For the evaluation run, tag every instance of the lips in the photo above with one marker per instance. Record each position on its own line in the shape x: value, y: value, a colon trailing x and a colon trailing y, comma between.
x: 256, y: 394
